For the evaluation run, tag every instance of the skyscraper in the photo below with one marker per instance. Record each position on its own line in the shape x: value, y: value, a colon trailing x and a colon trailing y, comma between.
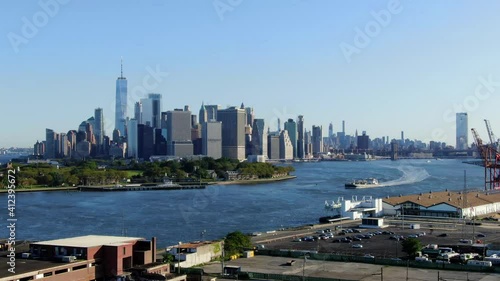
x: 300, y: 137
x: 291, y: 127
x: 99, y: 129
x: 121, y: 103
x: 179, y: 133
x: 462, y: 131
x: 50, y: 144
x: 233, y: 132
x: 211, y: 137
x: 212, y: 111
x: 203, y: 116
x: 286, y: 148
x: 151, y: 110
x: 138, y: 112
x: 317, y: 140
x: 250, y: 115
x: 132, y: 139
x: 259, y: 138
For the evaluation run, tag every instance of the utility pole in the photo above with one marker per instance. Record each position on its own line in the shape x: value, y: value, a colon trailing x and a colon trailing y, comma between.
x: 381, y: 274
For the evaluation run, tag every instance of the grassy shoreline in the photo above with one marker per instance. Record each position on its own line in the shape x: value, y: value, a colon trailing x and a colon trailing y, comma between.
x: 76, y: 188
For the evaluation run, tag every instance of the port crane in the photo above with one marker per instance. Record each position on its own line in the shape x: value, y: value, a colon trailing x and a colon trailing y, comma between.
x: 493, y: 139
x: 490, y: 158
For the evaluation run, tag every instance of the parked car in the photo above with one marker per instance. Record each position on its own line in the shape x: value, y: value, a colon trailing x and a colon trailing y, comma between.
x: 357, y: 246
x: 480, y: 235
x: 442, y: 235
x: 369, y: 256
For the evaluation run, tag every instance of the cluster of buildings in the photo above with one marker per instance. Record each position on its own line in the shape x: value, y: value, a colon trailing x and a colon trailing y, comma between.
x: 98, y: 257
x: 217, y: 132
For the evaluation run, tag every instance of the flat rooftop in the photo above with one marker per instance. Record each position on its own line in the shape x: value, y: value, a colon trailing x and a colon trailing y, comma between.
x: 89, y: 241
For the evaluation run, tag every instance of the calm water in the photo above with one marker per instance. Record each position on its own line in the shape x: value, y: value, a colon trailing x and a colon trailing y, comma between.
x: 181, y: 215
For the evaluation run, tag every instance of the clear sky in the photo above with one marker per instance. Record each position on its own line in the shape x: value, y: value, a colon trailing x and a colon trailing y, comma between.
x: 412, y: 71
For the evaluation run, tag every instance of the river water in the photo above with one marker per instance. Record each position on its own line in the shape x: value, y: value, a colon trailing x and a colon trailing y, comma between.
x: 182, y: 215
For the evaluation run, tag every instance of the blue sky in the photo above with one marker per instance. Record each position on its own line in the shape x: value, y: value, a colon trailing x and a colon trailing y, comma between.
x: 284, y: 58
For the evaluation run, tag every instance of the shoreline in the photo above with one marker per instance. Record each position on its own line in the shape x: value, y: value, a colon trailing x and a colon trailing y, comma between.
x: 257, y: 181
x: 100, y: 188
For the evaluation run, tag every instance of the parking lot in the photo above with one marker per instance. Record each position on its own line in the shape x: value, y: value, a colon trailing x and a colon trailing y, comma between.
x: 386, y: 242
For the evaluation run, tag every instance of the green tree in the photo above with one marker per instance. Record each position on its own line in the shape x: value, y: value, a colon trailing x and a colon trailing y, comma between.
x: 168, y: 257
x: 411, y: 246
x: 236, y: 242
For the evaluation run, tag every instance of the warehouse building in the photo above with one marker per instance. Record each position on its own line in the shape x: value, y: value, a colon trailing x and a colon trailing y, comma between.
x: 454, y: 204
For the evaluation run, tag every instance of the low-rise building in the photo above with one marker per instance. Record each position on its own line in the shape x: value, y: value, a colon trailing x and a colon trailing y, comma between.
x: 91, y: 257
x: 444, y: 204
x: 191, y: 254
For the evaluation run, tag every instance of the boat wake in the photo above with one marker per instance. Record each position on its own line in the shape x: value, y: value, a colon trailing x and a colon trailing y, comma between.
x: 411, y: 174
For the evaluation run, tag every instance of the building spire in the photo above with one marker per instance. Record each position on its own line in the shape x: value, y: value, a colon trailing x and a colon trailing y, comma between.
x: 121, y: 67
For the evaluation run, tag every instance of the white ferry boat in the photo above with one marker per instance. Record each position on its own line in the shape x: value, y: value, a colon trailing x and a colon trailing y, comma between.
x: 362, y: 183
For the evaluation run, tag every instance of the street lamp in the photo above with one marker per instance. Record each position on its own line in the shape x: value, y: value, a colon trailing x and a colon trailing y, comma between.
x: 304, y: 267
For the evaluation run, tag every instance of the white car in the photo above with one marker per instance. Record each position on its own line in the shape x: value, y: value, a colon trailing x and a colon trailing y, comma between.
x: 357, y: 246
x: 368, y: 256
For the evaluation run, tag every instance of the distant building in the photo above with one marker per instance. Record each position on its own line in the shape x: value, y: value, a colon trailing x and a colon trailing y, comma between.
x: 300, y: 137
x: 145, y: 141
x: 179, y: 133
x: 212, y: 111
x: 151, y: 110
x: 212, y: 139
x: 99, y: 129
x: 308, y: 146
x: 363, y: 141
x: 394, y: 150
x: 132, y: 139
x: 121, y: 103
x: 291, y: 127
x: 317, y: 140
x: 462, y: 131
x: 259, y: 137
x: 233, y: 132
x: 50, y: 144
x: 286, y: 147
x: 250, y: 116
x: 138, y: 112
x: 39, y: 149
x: 273, y: 145
x: 203, y: 114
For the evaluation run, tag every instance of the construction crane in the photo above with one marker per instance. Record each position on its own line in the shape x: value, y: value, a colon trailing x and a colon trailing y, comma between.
x: 493, y: 140
x: 491, y: 162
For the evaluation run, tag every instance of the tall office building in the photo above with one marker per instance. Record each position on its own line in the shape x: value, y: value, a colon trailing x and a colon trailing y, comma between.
x: 203, y: 116
x: 50, y: 144
x: 363, y: 141
x: 250, y: 116
x: 138, y: 112
x: 273, y: 145
x: 300, y: 137
x: 317, y: 140
x: 259, y: 137
x: 99, y: 129
x: 151, y: 110
x: 233, y: 132
x: 211, y: 138
x: 330, y: 130
x: 179, y: 133
x: 121, y: 103
x: 212, y: 111
x: 286, y: 148
x: 145, y: 141
x: 462, y: 131
x: 291, y: 127
x: 132, y: 139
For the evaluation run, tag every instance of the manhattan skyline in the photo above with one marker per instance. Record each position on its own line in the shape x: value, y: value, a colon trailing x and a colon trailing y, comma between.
x: 427, y: 62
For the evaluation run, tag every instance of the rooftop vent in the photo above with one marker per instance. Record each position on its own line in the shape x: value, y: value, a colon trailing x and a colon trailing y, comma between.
x: 449, y: 199
x: 418, y: 198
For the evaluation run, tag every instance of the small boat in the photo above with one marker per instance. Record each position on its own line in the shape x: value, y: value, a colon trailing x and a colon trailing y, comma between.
x: 363, y: 183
